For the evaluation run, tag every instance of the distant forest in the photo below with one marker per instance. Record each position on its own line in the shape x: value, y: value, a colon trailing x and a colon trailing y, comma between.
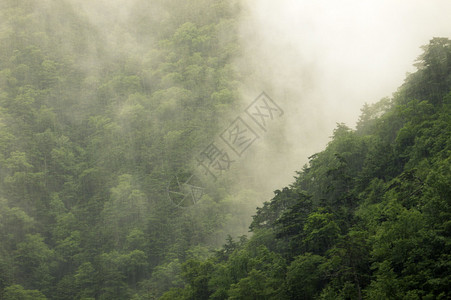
x: 92, y: 130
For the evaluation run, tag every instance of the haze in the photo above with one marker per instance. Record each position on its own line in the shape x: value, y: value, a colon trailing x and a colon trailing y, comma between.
x: 322, y: 60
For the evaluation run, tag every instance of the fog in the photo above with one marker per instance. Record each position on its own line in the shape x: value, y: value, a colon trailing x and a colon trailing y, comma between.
x: 122, y: 153
x: 321, y: 61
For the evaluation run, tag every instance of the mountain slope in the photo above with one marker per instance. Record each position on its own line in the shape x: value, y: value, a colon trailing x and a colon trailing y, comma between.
x: 367, y: 218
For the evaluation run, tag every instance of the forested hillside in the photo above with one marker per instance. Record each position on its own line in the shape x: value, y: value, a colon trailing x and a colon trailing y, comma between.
x: 99, y: 117
x: 367, y: 218
x: 94, y: 123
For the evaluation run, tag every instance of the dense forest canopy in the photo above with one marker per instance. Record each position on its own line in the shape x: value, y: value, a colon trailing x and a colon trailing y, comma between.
x: 95, y: 126
x: 367, y: 218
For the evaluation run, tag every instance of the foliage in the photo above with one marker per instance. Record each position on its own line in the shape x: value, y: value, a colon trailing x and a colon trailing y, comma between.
x: 93, y: 126
x: 367, y: 218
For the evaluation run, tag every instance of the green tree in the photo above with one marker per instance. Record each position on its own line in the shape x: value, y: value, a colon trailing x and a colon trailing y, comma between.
x: 17, y: 292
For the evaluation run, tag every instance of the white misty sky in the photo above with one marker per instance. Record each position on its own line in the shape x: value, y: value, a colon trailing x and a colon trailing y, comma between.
x: 322, y: 60
x: 361, y: 50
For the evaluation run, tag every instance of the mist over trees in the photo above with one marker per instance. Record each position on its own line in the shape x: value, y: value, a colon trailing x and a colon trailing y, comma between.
x: 367, y: 218
x: 98, y: 115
